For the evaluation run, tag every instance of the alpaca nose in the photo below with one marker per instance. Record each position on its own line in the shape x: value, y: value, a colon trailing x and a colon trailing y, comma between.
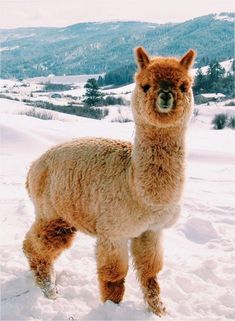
x: 165, y: 100
x: 165, y: 96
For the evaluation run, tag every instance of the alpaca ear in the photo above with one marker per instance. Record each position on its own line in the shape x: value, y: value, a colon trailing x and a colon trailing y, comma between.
x: 188, y: 59
x: 142, y: 57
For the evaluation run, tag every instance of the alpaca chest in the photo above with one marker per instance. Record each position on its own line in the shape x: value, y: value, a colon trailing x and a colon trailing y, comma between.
x: 164, y: 217
x: 134, y: 221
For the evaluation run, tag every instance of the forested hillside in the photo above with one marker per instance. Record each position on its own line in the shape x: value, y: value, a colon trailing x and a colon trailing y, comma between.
x: 102, y: 47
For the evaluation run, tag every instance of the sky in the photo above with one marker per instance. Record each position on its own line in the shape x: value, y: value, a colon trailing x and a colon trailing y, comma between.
x: 59, y: 13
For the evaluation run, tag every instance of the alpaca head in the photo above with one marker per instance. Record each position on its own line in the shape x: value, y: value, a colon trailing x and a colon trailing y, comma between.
x: 163, y: 94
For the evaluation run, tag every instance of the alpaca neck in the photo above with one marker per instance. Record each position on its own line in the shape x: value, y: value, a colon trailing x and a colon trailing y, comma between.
x: 158, y: 164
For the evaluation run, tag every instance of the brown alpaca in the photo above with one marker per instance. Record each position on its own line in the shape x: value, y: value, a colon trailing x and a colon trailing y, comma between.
x: 115, y: 190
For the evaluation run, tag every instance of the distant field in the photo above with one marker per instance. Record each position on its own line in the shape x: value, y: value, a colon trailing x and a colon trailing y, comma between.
x: 62, y: 79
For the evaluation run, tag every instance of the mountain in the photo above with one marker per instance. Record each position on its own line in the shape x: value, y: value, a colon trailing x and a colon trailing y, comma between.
x: 99, y: 47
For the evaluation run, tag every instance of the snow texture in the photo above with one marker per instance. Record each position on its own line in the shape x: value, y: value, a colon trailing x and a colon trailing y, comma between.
x: 198, y: 278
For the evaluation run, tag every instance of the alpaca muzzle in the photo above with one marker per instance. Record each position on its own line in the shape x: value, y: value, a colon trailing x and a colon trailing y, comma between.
x: 164, y: 101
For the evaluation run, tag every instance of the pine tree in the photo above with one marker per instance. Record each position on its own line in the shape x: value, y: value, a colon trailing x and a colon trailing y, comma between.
x: 93, y: 95
x: 200, y: 82
x: 215, y: 76
x: 216, y: 80
x: 233, y: 65
x: 228, y: 85
x: 100, y: 81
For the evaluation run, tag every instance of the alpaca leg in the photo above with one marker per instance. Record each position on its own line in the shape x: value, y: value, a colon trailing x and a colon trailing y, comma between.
x: 112, y: 265
x: 148, y: 261
x: 44, y: 242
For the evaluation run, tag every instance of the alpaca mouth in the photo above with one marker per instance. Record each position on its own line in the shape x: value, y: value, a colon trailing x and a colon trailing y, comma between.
x: 164, y: 108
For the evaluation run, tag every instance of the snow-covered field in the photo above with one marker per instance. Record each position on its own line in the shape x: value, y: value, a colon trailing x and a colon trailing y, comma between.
x: 198, y: 279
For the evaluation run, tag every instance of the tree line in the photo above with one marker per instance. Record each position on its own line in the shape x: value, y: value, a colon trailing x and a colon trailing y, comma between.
x: 123, y: 75
x: 94, y: 96
x: 215, y: 80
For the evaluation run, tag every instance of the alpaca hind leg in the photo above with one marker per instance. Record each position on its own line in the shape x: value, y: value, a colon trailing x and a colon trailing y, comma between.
x: 148, y: 261
x: 43, y: 243
x: 112, y: 265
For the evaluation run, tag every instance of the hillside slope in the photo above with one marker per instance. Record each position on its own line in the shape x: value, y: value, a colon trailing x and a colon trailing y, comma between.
x: 99, y: 47
x: 198, y: 275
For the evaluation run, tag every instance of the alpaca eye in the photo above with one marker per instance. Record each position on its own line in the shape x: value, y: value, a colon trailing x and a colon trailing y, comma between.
x: 146, y: 88
x: 183, y: 88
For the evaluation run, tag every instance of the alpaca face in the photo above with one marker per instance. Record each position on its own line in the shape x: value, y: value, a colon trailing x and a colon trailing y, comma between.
x: 163, y: 93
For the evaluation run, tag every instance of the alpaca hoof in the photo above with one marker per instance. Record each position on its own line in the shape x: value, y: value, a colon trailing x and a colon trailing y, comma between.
x: 48, y: 285
x: 50, y: 293
x: 159, y: 309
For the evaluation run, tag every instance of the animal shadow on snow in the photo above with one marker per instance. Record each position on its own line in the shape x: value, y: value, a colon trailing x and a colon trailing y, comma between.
x: 111, y: 311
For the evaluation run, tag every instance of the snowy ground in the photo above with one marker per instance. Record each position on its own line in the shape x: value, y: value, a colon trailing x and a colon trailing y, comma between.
x: 198, y: 279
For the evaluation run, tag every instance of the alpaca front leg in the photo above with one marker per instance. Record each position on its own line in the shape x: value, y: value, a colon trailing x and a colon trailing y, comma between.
x: 148, y: 261
x: 112, y: 266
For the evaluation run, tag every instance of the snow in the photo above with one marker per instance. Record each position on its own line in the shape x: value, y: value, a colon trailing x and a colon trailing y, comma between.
x: 8, y: 83
x: 119, y: 113
x: 124, y: 91
x: 8, y: 48
x: 66, y: 79
x: 198, y: 278
x: 224, y: 17
x: 219, y: 95
x: 226, y: 64
x: 199, y: 231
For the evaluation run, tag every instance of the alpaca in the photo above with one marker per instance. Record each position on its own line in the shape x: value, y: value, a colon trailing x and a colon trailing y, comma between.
x: 117, y: 191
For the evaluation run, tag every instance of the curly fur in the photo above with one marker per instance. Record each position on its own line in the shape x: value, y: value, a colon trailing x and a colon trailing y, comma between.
x: 115, y: 190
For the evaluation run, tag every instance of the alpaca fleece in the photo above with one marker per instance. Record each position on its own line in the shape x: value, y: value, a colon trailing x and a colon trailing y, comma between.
x: 117, y: 191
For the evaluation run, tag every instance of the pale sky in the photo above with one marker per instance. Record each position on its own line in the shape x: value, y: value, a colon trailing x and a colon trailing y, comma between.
x: 59, y: 13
